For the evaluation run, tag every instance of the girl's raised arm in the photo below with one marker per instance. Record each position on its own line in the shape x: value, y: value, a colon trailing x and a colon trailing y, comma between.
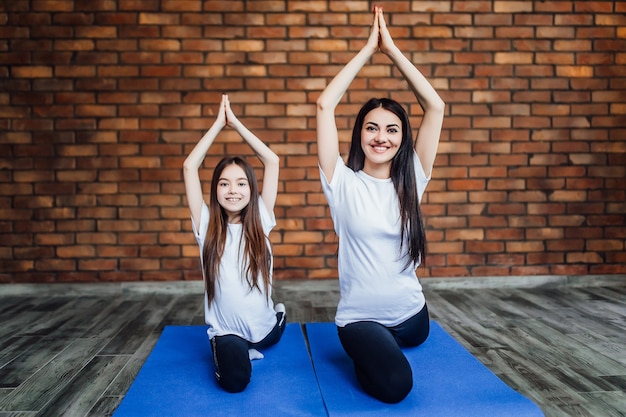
x: 194, y: 160
x: 268, y: 158
x: 327, y: 136
x: 430, y: 129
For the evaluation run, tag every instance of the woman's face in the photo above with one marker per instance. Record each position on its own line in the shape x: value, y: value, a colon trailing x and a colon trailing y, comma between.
x: 381, y: 137
x: 233, y: 192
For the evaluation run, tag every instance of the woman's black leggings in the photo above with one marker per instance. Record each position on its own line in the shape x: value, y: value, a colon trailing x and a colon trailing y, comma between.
x: 230, y: 355
x: 380, y: 366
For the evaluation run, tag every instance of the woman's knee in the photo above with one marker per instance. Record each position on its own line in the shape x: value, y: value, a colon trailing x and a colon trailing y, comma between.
x: 382, y: 368
x: 397, y: 386
x: 393, y: 385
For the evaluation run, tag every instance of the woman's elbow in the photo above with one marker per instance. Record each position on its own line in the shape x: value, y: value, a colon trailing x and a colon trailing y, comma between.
x: 274, y: 160
x: 323, y: 105
x: 189, y: 166
x: 438, y: 105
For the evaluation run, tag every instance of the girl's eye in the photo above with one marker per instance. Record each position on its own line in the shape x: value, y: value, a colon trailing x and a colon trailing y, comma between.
x: 393, y: 131
x: 242, y: 184
x: 370, y: 128
x: 223, y: 184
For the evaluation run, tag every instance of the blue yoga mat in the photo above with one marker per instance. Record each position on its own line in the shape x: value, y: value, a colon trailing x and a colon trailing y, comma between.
x: 448, y: 381
x: 177, y: 380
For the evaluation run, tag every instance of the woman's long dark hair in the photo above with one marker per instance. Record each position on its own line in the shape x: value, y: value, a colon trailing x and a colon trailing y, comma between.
x: 256, y: 257
x: 402, y: 176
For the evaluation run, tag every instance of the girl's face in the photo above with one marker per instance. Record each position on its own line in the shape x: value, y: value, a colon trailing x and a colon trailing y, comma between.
x: 233, y: 192
x: 381, y: 137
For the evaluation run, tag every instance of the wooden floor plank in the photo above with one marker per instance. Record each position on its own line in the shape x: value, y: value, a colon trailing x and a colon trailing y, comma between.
x: 120, y: 313
x: 132, y: 335
x: 97, y: 375
x: 48, y: 381
x: 15, y: 322
x: 105, y: 406
x: 24, y: 363
x: 124, y: 379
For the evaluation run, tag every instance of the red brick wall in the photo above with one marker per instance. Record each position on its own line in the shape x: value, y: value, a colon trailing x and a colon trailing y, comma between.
x: 101, y: 100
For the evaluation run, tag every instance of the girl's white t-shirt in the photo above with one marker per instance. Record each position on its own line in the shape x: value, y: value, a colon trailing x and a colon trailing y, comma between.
x: 374, y: 283
x: 236, y: 309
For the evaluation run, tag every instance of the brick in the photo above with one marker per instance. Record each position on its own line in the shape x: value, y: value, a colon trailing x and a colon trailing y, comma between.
x: 448, y: 247
x: 528, y: 246
x: 529, y: 196
x: 513, y: 57
x: 56, y: 265
x: 554, y: 58
x: 512, y: 6
x: 158, y: 19
x: 574, y: 71
x: 545, y: 258
x: 534, y: 19
x: 547, y: 208
x: 31, y: 72
x: 513, y: 32
x: 583, y: 257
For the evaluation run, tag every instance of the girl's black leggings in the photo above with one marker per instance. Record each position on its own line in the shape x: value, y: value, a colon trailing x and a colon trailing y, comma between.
x: 380, y: 366
x: 230, y: 355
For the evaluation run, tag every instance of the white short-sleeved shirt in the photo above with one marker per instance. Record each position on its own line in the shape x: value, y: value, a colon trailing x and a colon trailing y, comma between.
x: 236, y: 309
x: 374, y: 283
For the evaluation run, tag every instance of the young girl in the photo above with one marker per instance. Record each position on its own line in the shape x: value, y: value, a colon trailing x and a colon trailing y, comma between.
x: 235, y: 253
x: 374, y: 203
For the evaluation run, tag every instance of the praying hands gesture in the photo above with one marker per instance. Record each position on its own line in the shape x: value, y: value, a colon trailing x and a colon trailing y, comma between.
x: 427, y: 139
x: 226, y: 117
x: 380, y: 38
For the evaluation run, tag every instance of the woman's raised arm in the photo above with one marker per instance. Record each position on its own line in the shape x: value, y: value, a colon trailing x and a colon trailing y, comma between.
x: 327, y: 136
x: 427, y: 139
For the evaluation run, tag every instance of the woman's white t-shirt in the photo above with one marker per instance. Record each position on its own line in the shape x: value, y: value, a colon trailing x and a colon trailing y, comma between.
x: 237, y: 309
x: 374, y: 283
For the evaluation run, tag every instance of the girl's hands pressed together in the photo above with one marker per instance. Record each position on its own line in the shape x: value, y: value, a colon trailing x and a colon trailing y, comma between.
x: 228, y: 112
x: 220, y: 119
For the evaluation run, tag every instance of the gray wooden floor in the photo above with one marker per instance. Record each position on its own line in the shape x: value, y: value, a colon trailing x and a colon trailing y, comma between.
x: 66, y: 351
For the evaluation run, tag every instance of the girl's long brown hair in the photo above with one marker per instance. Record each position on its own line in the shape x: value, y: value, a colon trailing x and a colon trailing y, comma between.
x: 257, y: 258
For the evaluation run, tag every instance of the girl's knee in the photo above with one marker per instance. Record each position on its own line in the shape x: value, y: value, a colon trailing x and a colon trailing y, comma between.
x: 235, y: 385
x: 234, y: 380
x: 232, y: 364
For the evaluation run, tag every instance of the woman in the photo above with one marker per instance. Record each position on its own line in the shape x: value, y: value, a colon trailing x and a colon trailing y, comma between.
x: 374, y: 202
